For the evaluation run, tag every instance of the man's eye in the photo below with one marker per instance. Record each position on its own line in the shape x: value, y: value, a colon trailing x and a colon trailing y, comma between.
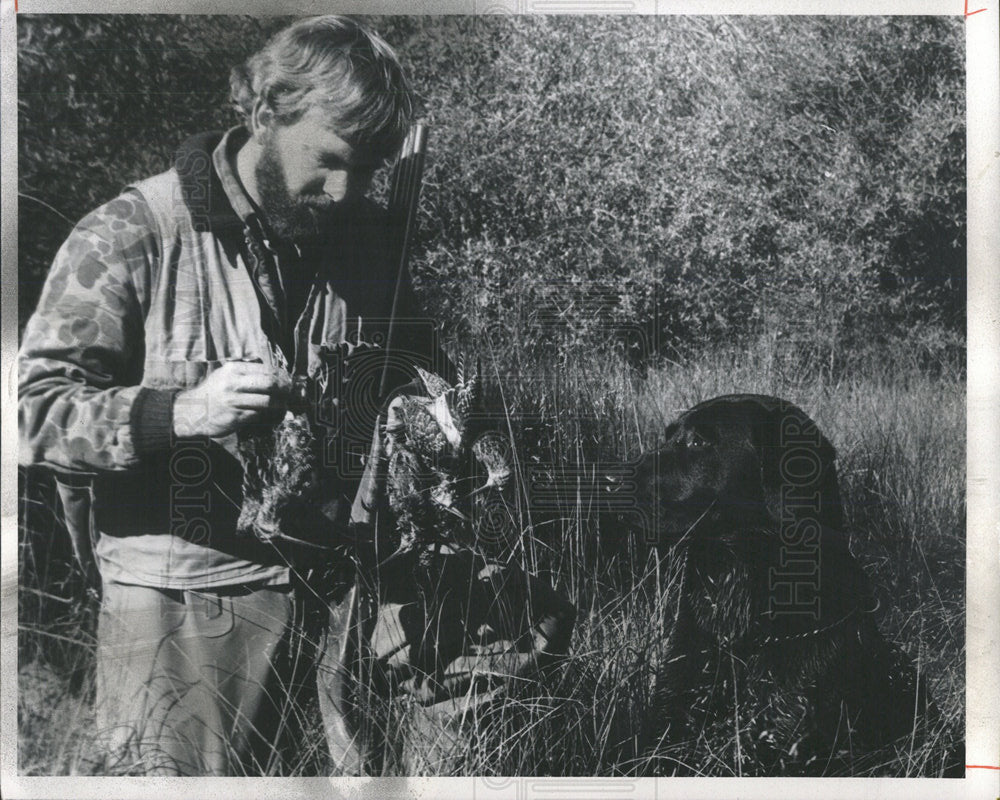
x: 332, y: 161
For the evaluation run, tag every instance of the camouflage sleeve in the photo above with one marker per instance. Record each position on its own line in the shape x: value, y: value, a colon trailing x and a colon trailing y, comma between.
x: 81, y: 353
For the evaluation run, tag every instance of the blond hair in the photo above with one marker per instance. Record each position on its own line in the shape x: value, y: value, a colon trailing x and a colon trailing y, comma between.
x: 337, y: 64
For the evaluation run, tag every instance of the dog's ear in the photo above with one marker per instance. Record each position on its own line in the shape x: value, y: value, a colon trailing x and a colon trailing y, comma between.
x: 798, y: 466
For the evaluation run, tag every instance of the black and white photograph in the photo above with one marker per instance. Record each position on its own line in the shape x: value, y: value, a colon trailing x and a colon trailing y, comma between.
x: 499, y: 396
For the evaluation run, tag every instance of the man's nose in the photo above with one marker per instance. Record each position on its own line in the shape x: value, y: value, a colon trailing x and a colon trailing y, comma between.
x: 336, y: 186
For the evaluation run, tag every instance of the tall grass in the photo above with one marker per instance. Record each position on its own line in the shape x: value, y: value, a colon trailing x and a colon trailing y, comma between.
x: 899, y: 432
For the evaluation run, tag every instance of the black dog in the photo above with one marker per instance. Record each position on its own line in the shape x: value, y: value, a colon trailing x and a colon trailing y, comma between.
x: 774, y: 664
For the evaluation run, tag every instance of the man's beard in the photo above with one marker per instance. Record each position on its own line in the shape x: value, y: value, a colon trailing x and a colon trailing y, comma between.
x: 294, y: 219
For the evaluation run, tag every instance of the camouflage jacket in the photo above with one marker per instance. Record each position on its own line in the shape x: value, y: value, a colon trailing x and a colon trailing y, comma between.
x: 149, y: 294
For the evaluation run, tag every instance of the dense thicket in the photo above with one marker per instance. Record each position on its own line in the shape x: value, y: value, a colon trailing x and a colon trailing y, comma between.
x: 689, y: 179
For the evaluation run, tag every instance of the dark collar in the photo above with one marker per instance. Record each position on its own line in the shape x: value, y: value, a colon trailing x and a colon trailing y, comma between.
x: 201, y: 188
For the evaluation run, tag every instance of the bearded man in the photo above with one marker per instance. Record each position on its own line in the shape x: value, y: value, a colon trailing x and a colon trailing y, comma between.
x: 171, y: 321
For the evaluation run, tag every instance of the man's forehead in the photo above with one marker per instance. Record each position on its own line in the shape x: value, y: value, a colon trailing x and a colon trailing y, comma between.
x: 319, y: 131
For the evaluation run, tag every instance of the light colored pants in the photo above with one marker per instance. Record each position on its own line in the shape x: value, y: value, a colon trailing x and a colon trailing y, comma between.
x: 198, y: 683
x: 215, y: 682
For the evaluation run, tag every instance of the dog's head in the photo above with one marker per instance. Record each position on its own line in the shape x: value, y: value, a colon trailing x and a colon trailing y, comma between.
x: 741, y: 460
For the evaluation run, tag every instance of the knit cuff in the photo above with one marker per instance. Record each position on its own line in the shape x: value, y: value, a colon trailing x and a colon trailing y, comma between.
x: 152, y: 420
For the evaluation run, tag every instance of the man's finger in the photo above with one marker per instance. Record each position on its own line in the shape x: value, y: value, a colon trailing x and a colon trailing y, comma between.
x: 257, y: 401
x: 245, y: 367
x: 254, y: 368
x: 269, y: 382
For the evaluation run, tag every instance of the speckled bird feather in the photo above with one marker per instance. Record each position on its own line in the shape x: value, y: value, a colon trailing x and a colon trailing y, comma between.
x: 285, y: 482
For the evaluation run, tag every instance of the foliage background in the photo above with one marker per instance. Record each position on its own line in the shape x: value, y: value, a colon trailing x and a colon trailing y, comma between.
x: 701, y: 179
x: 625, y: 216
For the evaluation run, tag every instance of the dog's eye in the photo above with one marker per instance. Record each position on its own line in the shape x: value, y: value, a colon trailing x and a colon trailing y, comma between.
x: 695, y: 442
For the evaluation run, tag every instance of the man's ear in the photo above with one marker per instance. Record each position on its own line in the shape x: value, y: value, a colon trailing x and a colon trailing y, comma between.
x: 261, y: 119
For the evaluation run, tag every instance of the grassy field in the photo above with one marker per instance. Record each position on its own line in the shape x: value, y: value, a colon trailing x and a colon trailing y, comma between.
x: 900, y: 435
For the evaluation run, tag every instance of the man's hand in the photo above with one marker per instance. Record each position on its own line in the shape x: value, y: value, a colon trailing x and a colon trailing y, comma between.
x: 236, y: 394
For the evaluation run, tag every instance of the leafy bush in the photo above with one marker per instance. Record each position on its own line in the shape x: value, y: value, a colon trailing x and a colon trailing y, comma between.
x: 704, y: 179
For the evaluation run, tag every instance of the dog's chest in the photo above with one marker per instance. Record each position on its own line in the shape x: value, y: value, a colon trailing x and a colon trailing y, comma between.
x: 721, y: 599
